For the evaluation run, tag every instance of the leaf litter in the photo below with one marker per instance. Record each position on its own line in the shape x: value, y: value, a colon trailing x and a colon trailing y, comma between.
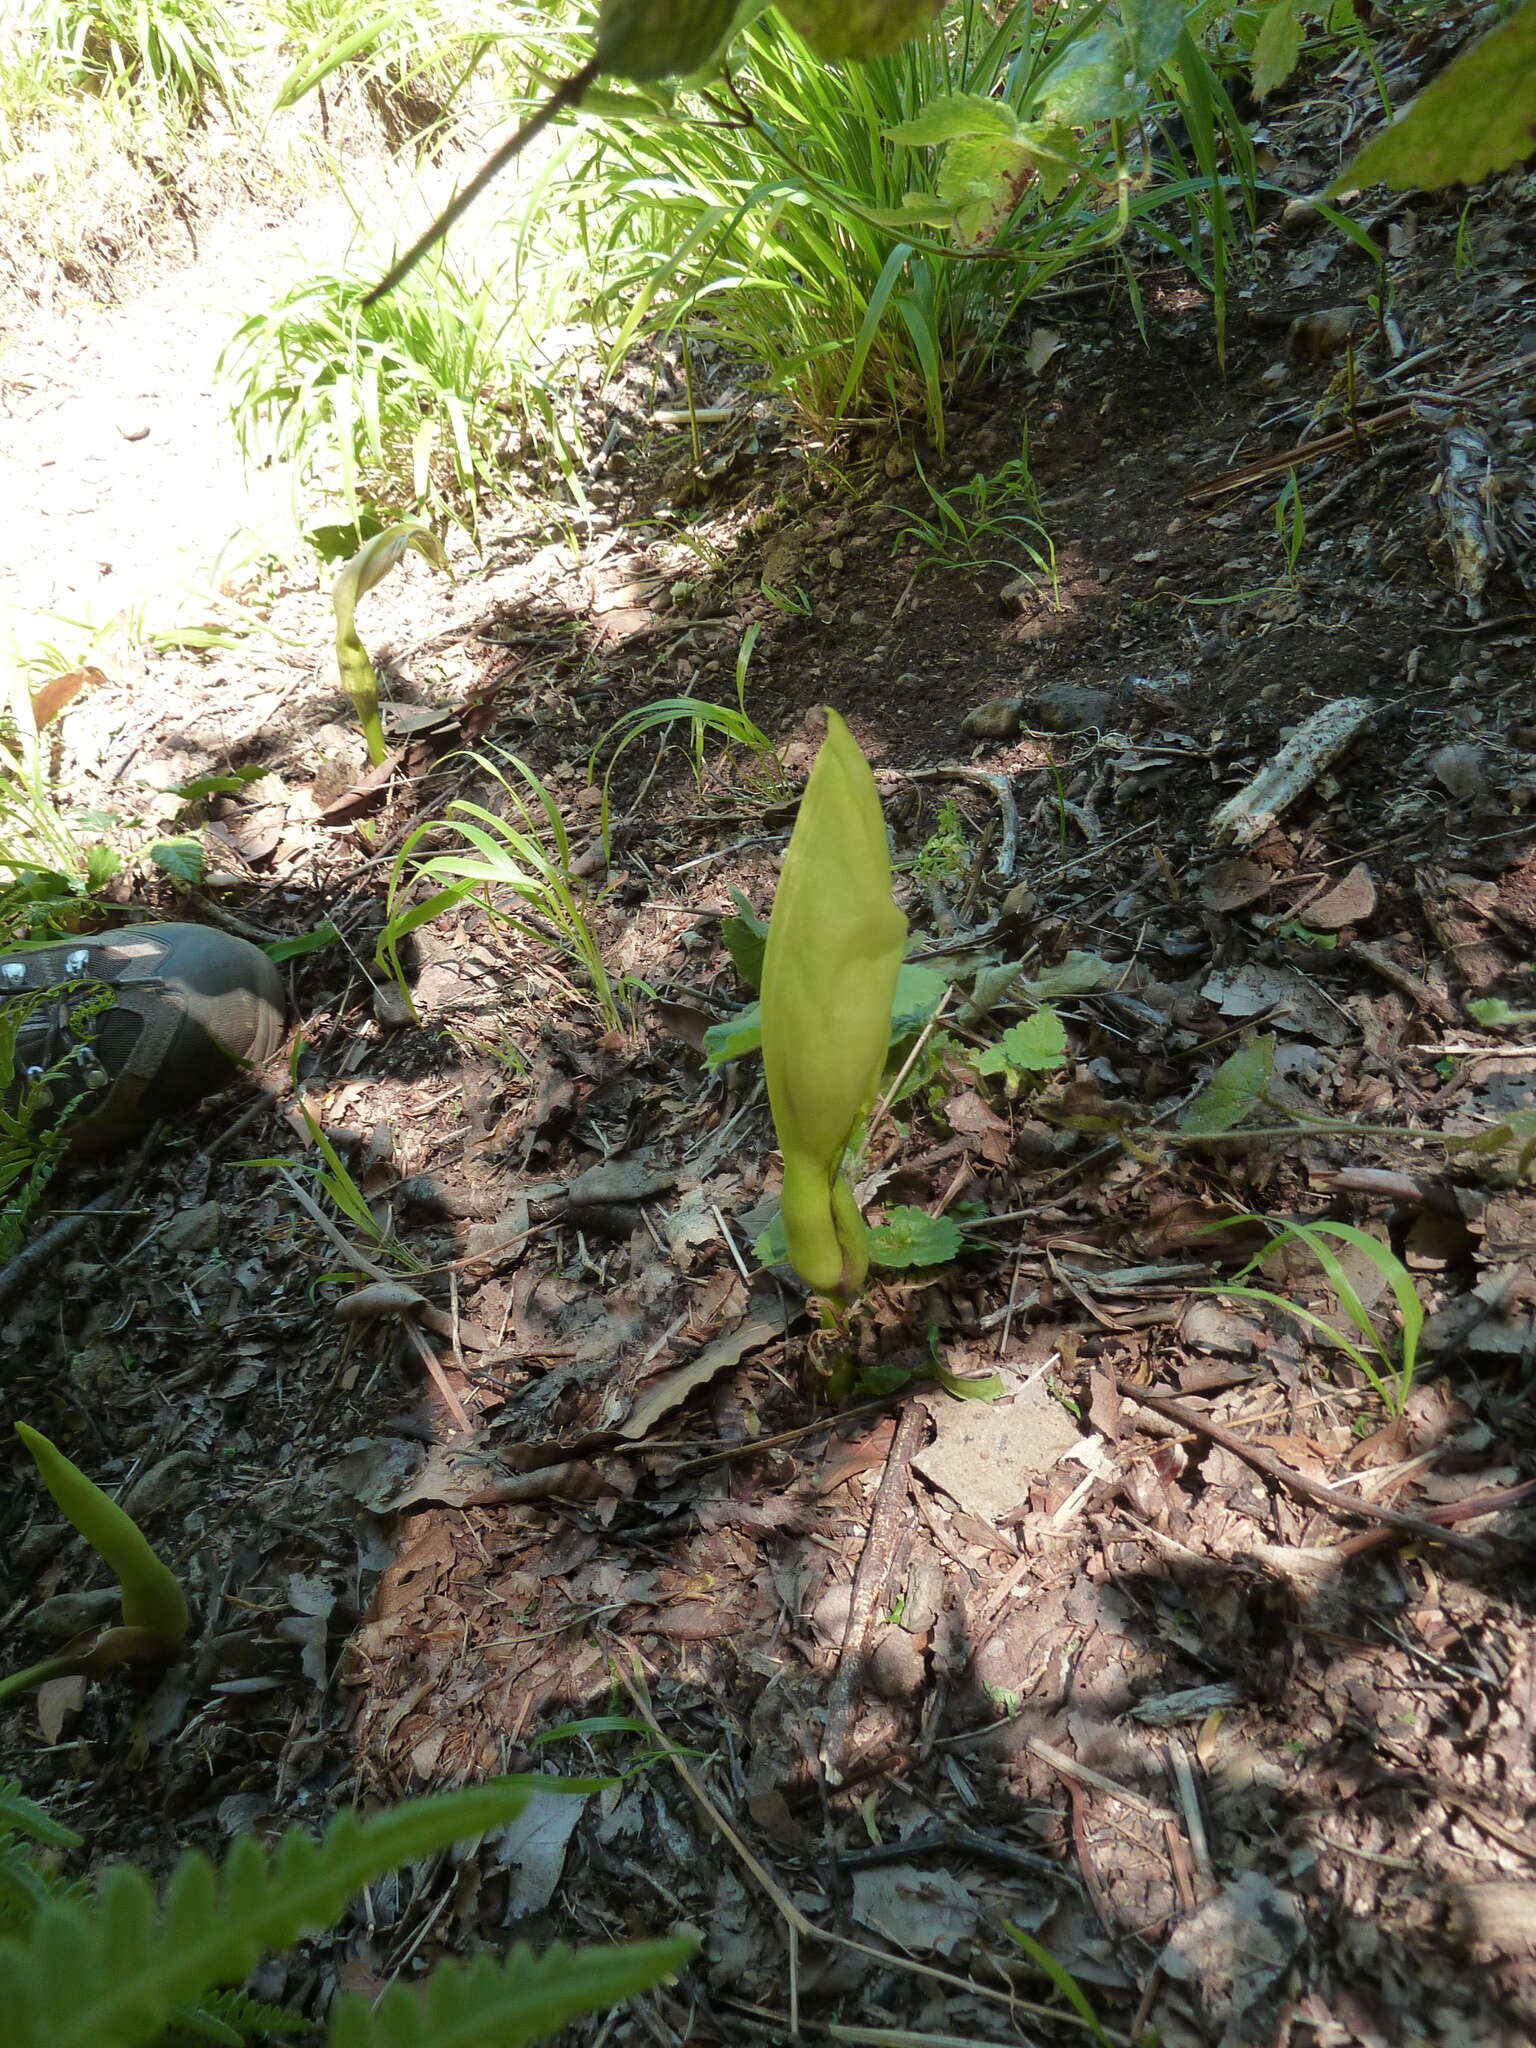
x: 1192, y: 1658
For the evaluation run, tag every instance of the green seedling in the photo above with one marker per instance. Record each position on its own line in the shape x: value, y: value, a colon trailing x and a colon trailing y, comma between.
x: 829, y: 978
x: 369, y: 566
x: 991, y: 522
x: 701, y: 718
x: 1026, y: 1051
x: 154, y: 1623
x: 945, y: 856
x: 1368, y: 1350
x: 529, y: 860
x: 1290, y: 517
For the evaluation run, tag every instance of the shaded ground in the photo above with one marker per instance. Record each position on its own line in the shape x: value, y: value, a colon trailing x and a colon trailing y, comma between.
x: 1251, y: 1768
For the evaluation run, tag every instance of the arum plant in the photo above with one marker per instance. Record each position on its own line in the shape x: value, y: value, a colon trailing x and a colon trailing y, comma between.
x: 154, y: 1623
x: 370, y: 565
x: 829, y: 975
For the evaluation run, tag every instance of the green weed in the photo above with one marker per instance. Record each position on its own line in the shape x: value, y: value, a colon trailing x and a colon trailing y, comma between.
x: 184, y: 53
x: 789, y: 226
x: 1369, y: 1350
x: 990, y: 522
x: 525, y: 855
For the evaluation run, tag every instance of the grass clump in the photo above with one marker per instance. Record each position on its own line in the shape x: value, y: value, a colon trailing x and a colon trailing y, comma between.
x: 813, y: 219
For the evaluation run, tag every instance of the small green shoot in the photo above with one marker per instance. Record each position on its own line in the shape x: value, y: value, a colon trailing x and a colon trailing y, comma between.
x: 529, y: 860
x: 154, y: 1623
x: 1391, y: 1380
x: 1062, y: 1979
x: 369, y: 566
x: 991, y: 522
x: 1036, y: 1046
x: 701, y: 717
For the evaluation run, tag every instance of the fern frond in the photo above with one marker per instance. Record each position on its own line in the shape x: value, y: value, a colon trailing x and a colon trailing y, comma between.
x: 112, y: 1970
x: 243, y: 2016
x: 22, y: 1816
x: 503, y: 2005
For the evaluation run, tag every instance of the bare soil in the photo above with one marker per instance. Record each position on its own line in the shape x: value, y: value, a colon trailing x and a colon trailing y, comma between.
x: 1252, y: 1763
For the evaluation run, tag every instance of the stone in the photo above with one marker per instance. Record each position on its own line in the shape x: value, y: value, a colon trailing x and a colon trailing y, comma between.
x: 998, y: 719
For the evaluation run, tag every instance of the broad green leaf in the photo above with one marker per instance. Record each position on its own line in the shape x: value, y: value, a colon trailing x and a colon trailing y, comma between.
x: 1278, y: 47
x: 218, y: 785
x: 911, y: 1237
x: 1233, y: 1091
x: 1077, y: 974
x: 1089, y: 84
x: 858, y: 29
x: 1477, y: 117
x: 986, y: 1387
x: 829, y: 977
x: 182, y: 858
x: 151, y: 1593
x: 745, y: 937
x: 955, y: 117
x: 919, y: 992
x: 734, y: 1037
x: 1152, y: 31
x: 982, y: 181
x: 771, y: 1247
x: 1038, y: 1045
x: 370, y: 565
x: 645, y: 39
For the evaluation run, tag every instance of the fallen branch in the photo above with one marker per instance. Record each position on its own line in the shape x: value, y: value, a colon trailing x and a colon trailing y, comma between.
x: 1331, y: 1499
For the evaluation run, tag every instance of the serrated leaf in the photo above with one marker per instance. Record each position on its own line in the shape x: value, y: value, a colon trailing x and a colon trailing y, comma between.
x: 183, y: 859
x: 1474, y: 119
x: 24, y: 1816
x: 911, y: 1237
x: 1038, y: 1045
x: 1089, y: 84
x: 111, y: 1969
x: 1491, y: 1011
x: 860, y: 29
x: 1277, y: 49
x: 1233, y: 1091
x: 955, y: 117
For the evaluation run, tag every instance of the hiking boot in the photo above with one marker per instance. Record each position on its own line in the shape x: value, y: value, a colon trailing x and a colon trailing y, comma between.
x: 126, y: 1026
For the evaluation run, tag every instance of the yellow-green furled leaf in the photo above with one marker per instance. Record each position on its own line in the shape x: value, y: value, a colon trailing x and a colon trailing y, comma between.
x: 152, y: 1596
x: 859, y: 29
x: 1477, y: 117
x: 829, y: 975
x: 370, y: 565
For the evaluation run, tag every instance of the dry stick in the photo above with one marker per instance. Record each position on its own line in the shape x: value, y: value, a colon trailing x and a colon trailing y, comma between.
x: 1330, y: 1498
x: 886, y: 1523
x: 566, y: 95
x: 802, y: 1929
